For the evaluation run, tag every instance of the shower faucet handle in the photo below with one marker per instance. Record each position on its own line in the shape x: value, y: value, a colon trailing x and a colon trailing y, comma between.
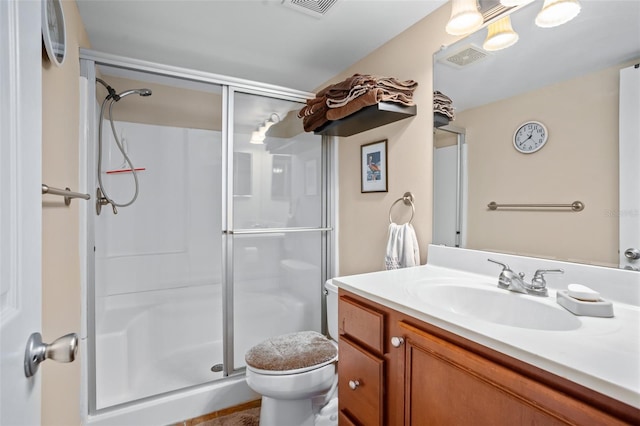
x: 101, y: 200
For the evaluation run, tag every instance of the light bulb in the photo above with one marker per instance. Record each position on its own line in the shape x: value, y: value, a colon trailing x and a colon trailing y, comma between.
x: 465, y: 17
x: 267, y: 125
x: 257, y: 137
x: 500, y: 35
x: 557, y: 12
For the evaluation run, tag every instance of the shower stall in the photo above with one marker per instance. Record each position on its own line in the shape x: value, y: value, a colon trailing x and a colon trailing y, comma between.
x: 227, y: 241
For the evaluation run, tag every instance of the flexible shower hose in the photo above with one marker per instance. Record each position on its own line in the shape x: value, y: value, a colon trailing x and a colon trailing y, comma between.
x: 121, y: 148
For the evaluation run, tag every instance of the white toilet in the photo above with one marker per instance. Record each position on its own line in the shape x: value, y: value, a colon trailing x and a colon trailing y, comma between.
x: 294, y: 370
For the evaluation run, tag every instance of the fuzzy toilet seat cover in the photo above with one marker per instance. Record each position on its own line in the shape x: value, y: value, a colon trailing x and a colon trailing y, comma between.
x: 292, y: 351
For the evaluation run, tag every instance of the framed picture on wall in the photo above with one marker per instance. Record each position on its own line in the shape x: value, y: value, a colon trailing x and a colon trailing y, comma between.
x: 373, y: 167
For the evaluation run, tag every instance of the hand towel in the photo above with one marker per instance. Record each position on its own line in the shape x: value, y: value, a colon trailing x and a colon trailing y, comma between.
x: 402, y: 247
x: 394, y: 245
x: 411, y: 250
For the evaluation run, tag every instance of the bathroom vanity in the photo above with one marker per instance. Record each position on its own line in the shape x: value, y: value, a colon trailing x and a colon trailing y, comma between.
x: 439, y: 344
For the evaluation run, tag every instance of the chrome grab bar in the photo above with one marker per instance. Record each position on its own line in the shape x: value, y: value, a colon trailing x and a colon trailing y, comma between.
x: 66, y: 193
x: 576, y: 206
x: 272, y: 230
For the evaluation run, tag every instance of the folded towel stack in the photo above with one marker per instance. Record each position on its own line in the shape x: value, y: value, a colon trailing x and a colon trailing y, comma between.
x: 352, y: 94
x: 443, y: 104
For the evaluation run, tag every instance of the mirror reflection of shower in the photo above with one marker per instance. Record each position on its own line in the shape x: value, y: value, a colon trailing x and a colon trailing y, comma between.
x: 102, y: 197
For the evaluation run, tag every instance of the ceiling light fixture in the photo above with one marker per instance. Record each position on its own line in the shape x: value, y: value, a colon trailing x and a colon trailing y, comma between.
x: 259, y: 135
x: 514, y: 3
x: 557, y: 12
x: 465, y: 17
x: 500, y: 35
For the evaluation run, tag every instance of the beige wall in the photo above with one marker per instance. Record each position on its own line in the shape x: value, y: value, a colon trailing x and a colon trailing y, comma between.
x: 579, y: 162
x: 168, y: 106
x: 364, y: 218
x: 442, y: 139
x: 60, y: 247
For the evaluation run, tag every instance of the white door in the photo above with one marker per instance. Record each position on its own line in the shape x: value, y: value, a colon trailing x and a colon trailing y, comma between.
x: 630, y: 168
x: 20, y: 205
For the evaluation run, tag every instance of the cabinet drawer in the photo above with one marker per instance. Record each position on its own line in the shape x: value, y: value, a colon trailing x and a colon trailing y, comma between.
x: 364, y: 404
x: 362, y: 324
x: 344, y: 420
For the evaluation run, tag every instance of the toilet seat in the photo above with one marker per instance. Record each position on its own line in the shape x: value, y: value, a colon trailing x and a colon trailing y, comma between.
x: 289, y: 372
x: 292, y: 353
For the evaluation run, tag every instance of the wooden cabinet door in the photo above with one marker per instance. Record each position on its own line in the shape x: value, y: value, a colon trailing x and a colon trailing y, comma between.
x: 448, y: 385
x: 360, y: 384
x: 361, y: 324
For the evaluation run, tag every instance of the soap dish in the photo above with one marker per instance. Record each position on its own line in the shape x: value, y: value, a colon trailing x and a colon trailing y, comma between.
x: 601, y: 308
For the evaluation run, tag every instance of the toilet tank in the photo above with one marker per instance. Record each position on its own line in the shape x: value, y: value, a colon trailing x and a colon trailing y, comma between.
x: 332, y: 309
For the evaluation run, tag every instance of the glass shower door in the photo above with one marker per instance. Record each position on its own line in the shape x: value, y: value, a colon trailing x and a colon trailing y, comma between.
x: 276, y: 228
x: 158, y: 262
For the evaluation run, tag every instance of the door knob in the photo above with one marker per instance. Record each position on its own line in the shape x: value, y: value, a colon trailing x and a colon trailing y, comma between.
x: 63, y: 349
x: 354, y: 384
x: 632, y: 253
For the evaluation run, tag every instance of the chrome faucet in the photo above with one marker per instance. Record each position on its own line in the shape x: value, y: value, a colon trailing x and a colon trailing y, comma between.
x: 511, y: 281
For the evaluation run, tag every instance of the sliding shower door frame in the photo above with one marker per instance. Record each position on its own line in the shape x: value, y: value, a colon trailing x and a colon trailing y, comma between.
x: 87, y: 162
x: 89, y: 59
x: 460, y: 227
x: 229, y: 229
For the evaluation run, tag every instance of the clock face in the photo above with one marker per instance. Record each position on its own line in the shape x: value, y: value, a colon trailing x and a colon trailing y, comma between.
x: 54, y: 34
x: 530, y: 137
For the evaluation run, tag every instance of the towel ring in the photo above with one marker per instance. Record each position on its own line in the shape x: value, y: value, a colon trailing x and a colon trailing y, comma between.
x: 407, y: 199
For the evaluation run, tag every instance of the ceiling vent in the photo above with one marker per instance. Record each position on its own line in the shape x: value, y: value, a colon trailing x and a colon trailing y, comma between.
x: 465, y: 56
x: 315, y: 8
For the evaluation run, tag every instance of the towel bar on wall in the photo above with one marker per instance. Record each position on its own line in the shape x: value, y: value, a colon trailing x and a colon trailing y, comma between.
x: 66, y: 193
x: 407, y: 199
x: 576, y: 206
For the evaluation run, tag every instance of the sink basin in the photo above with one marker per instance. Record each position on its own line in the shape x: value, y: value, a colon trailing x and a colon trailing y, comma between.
x: 497, y: 306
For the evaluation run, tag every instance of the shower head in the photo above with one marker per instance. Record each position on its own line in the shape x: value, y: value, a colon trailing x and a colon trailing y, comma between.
x: 141, y: 92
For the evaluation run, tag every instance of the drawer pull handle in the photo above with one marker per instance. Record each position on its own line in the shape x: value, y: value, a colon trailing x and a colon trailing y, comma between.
x: 396, y: 342
x: 354, y: 384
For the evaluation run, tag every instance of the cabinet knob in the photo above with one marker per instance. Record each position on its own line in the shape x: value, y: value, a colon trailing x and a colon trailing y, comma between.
x: 396, y: 342
x: 354, y: 384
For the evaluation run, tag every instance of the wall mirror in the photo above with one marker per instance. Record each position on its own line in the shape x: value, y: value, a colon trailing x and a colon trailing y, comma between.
x: 568, y: 79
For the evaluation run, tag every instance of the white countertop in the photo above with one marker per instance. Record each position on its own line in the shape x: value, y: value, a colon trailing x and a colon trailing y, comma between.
x: 602, y: 354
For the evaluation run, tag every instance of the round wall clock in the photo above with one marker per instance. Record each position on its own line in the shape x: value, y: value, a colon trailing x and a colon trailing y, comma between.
x: 530, y: 137
x: 54, y: 33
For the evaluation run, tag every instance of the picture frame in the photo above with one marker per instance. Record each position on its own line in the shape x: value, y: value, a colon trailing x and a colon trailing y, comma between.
x: 373, y: 167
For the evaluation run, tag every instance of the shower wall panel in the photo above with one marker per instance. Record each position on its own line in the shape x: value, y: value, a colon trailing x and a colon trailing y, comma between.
x: 158, y: 287
x: 170, y: 236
